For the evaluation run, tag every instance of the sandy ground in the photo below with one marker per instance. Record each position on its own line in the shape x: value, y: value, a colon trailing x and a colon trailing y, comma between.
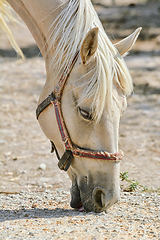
x: 23, y: 145
x: 47, y: 215
x: 41, y: 209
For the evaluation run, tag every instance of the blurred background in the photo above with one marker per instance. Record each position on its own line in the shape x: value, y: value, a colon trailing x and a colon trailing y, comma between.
x: 25, y: 159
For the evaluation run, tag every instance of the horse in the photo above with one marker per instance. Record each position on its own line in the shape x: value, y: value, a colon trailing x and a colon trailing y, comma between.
x: 84, y: 96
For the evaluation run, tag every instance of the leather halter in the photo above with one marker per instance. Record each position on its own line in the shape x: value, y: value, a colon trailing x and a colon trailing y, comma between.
x: 71, y: 149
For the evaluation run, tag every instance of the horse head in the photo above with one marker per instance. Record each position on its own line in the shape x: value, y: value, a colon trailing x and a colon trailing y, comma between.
x: 91, y: 115
x: 95, y: 182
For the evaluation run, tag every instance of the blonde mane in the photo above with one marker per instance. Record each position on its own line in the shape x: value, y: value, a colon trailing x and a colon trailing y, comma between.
x: 66, y: 35
x: 5, y: 16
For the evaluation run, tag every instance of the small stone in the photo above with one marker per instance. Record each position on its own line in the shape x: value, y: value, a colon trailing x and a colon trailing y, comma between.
x: 31, y: 234
x: 42, y: 166
x: 34, y: 205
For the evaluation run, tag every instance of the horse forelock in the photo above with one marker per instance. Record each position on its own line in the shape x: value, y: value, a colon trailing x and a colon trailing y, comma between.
x: 66, y: 35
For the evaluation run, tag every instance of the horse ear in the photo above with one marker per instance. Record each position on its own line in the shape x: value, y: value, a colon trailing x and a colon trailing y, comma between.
x: 126, y: 44
x: 89, y: 45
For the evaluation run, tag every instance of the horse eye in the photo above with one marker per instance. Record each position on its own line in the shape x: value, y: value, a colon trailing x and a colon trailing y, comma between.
x: 85, y: 114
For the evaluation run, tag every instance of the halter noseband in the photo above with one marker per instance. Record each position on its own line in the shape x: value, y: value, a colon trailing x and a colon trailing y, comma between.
x: 71, y: 149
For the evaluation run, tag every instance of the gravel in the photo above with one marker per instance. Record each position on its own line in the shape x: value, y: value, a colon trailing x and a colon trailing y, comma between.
x: 47, y: 215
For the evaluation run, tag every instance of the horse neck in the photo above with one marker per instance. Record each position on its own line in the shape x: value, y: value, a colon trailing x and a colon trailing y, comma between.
x: 38, y: 15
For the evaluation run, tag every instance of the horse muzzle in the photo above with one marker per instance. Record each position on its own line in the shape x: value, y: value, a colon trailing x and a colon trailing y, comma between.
x: 95, y: 199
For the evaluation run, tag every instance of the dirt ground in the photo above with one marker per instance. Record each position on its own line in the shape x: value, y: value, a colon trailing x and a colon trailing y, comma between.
x: 23, y: 146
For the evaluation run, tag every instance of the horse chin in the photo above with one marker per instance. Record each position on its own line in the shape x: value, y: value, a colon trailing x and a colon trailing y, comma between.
x: 75, y: 196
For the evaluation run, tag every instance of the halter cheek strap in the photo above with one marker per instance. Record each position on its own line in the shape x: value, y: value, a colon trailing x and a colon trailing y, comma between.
x: 66, y: 159
x: 71, y: 149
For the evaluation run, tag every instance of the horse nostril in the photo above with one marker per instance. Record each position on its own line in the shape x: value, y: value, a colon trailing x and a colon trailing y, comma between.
x: 99, y: 196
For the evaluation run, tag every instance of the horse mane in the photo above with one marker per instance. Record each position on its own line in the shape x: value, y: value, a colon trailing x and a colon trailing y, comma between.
x: 5, y: 16
x: 66, y: 35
